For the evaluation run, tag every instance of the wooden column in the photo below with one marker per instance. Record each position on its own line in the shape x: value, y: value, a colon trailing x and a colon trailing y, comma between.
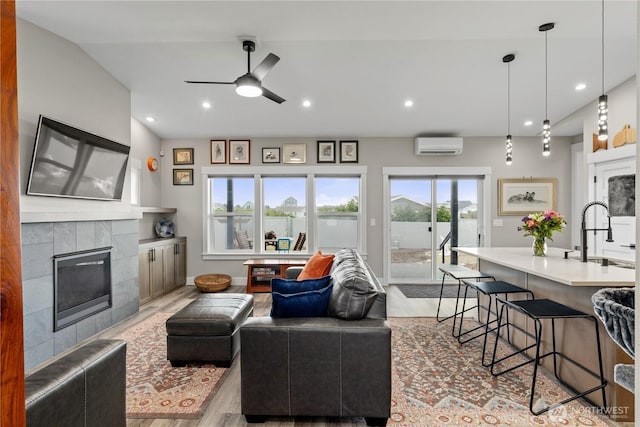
x: 12, y: 410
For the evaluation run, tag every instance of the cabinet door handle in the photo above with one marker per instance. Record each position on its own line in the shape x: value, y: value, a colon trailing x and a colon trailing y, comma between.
x: 176, y: 249
x: 153, y: 254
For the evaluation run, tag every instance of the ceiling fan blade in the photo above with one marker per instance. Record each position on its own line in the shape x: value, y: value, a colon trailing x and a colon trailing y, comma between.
x: 210, y: 83
x: 265, y: 66
x: 272, y: 96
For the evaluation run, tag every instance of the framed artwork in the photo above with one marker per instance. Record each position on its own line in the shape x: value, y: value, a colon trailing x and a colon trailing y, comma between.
x: 294, y: 153
x: 271, y: 155
x: 218, y: 151
x: 183, y: 156
x: 522, y: 196
x: 183, y: 177
x: 326, y: 151
x: 348, y: 151
x: 239, y: 152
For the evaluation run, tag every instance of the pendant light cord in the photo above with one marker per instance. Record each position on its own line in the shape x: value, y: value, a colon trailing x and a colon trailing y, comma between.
x: 603, y: 47
x: 546, y: 78
x: 509, y: 98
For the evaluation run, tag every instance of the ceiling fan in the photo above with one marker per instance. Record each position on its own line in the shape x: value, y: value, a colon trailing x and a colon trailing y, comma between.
x: 250, y: 84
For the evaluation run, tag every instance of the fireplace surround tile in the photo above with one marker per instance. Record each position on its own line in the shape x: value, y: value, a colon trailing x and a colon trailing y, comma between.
x: 40, y: 242
x: 36, y: 260
x: 64, y: 237
x: 36, y: 294
x: 37, y: 233
x: 85, y: 235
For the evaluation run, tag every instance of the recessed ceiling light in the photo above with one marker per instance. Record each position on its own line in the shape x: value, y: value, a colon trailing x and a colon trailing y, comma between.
x: 581, y: 86
x: 408, y: 103
x: 528, y: 123
x: 206, y: 105
x: 150, y: 119
x: 306, y: 103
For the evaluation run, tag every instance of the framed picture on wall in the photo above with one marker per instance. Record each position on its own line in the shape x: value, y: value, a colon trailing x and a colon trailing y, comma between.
x: 183, y: 156
x: 271, y: 155
x: 326, y: 151
x: 239, y: 151
x: 218, y: 151
x: 522, y: 196
x: 294, y: 153
x: 183, y: 177
x: 348, y: 151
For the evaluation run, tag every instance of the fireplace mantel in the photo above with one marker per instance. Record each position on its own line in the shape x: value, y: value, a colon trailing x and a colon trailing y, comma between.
x: 95, y: 215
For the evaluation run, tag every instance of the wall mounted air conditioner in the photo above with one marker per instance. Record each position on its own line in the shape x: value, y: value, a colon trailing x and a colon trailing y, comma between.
x: 438, y: 146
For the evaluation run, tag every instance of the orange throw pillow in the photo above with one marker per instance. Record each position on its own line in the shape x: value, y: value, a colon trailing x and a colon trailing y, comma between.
x: 318, y: 266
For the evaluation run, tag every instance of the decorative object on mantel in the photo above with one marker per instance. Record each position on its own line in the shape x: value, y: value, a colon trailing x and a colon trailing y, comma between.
x: 626, y: 136
x: 165, y: 228
x: 541, y: 226
x: 598, y: 144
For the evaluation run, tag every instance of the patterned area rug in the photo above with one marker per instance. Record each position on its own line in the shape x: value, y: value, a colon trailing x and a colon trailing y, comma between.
x: 438, y: 382
x: 154, y: 388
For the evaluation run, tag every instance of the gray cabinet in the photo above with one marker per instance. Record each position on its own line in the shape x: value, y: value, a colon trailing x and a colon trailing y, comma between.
x: 162, y: 265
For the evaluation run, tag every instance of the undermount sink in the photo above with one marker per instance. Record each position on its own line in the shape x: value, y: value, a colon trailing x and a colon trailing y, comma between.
x: 612, y: 262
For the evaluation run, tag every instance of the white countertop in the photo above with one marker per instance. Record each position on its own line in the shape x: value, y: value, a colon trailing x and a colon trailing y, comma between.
x: 554, y: 267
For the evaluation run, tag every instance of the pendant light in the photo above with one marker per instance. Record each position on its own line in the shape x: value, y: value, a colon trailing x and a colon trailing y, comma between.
x: 546, y: 124
x: 603, y: 126
x: 507, y: 59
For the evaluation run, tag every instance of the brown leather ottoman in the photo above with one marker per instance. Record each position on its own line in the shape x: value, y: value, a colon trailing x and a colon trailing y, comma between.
x: 208, y: 329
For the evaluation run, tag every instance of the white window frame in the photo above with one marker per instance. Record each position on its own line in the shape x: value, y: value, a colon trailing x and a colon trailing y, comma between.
x: 259, y: 172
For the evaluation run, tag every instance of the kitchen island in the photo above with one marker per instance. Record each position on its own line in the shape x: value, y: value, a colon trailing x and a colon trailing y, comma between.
x: 570, y: 282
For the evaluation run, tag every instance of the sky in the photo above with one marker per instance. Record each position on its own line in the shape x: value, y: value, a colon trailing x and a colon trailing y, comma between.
x: 337, y: 191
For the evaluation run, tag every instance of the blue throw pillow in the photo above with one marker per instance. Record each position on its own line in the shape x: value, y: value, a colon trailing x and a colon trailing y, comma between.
x: 293, y: 286
x: 302, y: 300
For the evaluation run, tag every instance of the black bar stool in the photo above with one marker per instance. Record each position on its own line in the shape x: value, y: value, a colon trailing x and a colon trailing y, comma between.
x: 491, y: 290
x: 544, y: 309
x: 457, y: 272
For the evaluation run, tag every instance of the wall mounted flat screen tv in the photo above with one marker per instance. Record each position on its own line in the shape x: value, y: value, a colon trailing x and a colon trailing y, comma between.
x: 69, y: 162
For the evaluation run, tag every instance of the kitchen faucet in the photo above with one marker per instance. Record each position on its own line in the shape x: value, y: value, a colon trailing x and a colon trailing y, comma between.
x: 584, y: 229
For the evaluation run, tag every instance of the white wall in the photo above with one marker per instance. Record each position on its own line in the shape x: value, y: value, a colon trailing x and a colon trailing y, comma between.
x: 375, y: 153
x: 57, y: 79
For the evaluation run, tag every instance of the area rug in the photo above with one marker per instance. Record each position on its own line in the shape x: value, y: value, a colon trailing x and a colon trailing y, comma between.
x: 429, y: 291
x: 154, y: 388
x: 438, y: 382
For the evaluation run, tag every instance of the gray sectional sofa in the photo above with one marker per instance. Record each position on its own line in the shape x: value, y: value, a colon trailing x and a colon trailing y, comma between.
x: 337, y: 366
x: 84, y: 388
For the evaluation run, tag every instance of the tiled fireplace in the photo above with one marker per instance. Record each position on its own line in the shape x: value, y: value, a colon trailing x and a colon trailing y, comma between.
x: 41, y: 241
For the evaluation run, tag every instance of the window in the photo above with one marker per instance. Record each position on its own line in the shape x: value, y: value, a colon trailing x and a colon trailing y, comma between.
x: 284, y: 211
x: 320, y: 202
x: 338, y: 212
x: 231, y: 226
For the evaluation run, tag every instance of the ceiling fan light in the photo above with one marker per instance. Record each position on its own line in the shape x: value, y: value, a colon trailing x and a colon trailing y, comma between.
x: 248, y: 86
x: 250, y: 91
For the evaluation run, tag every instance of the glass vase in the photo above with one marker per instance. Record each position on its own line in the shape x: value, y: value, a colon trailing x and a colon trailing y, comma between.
x: 539, y: 246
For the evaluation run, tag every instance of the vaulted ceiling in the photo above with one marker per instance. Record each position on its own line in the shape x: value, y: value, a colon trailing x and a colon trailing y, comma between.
x: 357, y: 62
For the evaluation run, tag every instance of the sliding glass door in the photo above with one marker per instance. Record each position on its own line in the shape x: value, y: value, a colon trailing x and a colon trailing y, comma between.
x: 428, y: 215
